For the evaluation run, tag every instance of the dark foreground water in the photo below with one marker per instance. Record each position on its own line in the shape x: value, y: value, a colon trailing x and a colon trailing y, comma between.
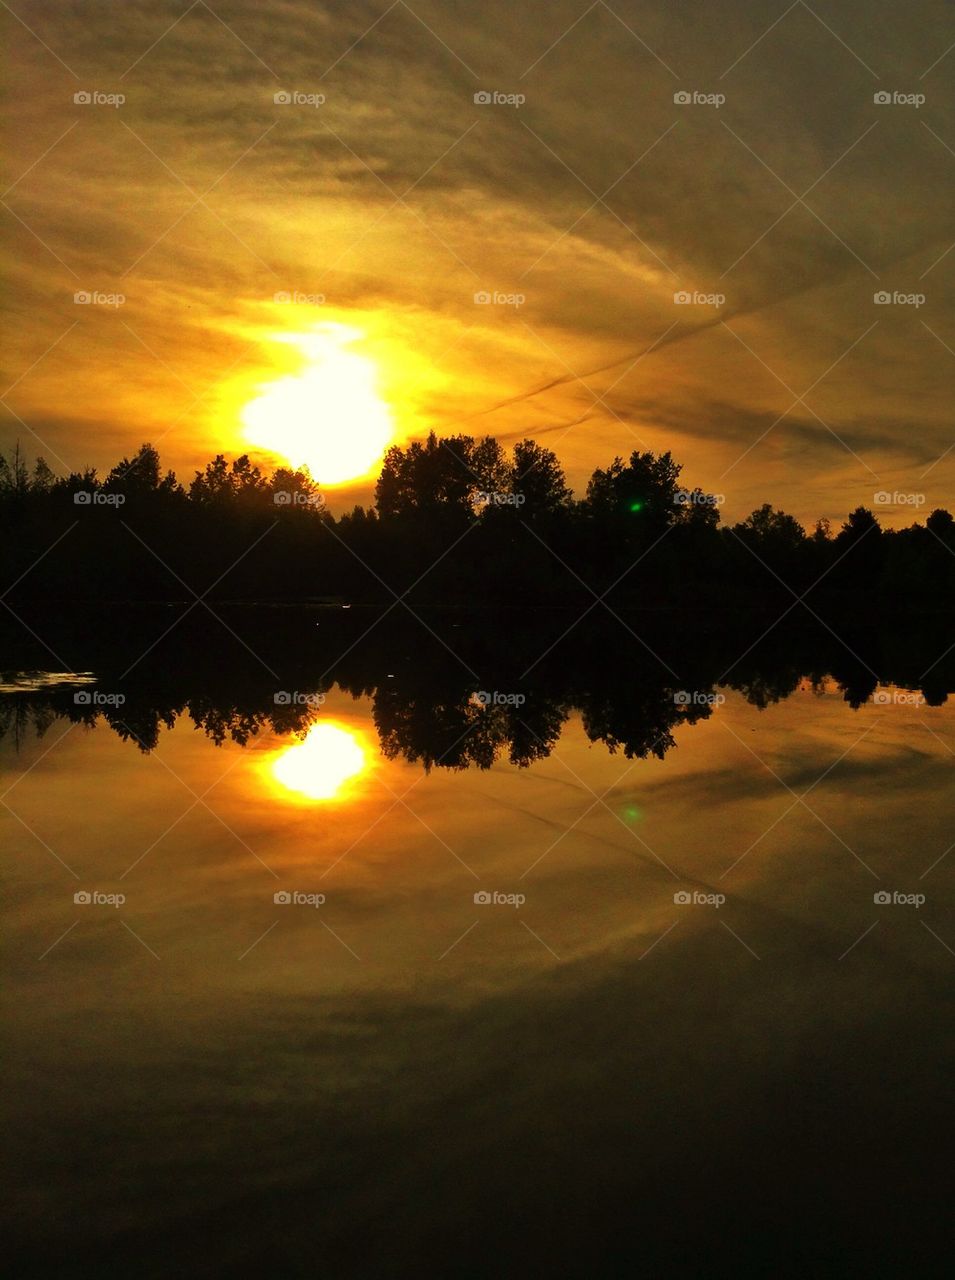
x: 346, y: 961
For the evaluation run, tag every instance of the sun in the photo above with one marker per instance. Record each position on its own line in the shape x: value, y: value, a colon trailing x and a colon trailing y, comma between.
x: 319, y: 766
x: 329, y: 417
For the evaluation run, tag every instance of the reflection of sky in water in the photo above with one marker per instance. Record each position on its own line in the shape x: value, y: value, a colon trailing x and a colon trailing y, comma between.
x: 266, y: 1046
x: 322, y: 764
x: 595, y: 841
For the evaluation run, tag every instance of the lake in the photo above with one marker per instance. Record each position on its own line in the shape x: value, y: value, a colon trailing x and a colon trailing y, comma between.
x: 363, y: 946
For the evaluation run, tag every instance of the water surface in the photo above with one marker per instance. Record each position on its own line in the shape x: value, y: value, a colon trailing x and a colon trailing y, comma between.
x: 621, y: 982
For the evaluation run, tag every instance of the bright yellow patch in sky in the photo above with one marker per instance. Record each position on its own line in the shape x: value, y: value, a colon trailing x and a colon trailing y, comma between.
x: 330, y: 417
x: 321, y: 764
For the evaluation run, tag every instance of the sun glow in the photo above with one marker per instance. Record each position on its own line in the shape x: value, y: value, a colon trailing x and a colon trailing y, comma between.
x: 330, y: 416
x: 320, y: 766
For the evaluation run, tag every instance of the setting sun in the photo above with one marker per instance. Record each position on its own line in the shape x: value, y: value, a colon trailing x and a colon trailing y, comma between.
x: 330, y: 416
x: 320, y: 765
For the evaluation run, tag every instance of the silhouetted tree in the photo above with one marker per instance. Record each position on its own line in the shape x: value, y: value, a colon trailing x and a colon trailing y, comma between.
x: 642, y: 490
x: 456, y: 521
x: 942, y: 524
x: 538, y: 478
x: 859, y: 552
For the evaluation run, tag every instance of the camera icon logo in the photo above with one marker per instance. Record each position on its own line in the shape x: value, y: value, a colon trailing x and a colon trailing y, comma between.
x: 881, y: 898
x: 283, y: 295
x: 482, y: 98
x: 681, y: 98
x: 881, y: 698
x: 82, y: 499
x: 881, y: 98
x: 282, y: 98
x: 82, y: 298
x: 682, y: 298
x: 83, y: 98
x: 82, y: 699
x: 282, y: 898
x: 282, y: 498
x: 681, y: 698
x: 482, y: 298
x: 282, y: 699
x: 681, y: 898
x: 82, y: 897
x: 482, y: 898
x: 882, y: 299
x: 483, y: 697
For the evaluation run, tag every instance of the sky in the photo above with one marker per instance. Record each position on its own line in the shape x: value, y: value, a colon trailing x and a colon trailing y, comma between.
x: 236, y: 175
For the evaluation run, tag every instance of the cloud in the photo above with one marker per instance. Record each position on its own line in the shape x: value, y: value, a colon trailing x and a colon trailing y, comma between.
x: 597, y: 200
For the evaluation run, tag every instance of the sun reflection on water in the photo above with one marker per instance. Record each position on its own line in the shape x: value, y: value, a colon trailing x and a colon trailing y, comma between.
x: 324, y: 765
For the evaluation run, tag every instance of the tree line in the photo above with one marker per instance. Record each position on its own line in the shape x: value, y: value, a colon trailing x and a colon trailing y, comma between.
x: 430, y: 714
x: 456, y: 520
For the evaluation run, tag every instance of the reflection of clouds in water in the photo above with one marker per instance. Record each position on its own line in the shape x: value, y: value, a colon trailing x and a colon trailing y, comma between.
x: 605, y: 1088
x: 653, y: 1054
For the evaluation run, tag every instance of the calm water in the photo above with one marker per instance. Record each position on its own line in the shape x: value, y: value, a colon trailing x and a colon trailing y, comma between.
x: 684, y: 1032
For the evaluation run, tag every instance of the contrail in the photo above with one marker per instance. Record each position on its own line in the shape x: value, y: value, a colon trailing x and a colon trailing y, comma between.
x: 670, y: 337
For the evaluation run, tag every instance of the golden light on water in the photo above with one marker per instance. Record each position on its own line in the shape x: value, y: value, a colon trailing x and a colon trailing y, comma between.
x: 321, y: 766
x: 330, y: 417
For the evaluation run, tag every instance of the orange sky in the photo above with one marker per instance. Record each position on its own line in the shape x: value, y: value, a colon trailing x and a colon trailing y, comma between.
x: 391, y: 204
